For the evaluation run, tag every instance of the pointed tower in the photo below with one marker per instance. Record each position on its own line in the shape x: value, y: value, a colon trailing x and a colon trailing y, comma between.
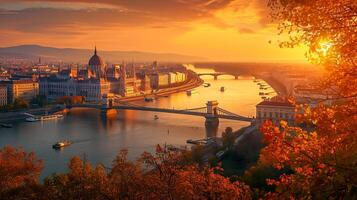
x: 97, y: 65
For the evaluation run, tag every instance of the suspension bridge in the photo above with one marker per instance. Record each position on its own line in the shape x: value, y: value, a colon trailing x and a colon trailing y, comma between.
x: 211, y: 111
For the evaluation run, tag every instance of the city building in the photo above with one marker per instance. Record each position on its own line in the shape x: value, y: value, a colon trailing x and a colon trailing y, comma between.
x: 89, y: 83
x: 55, y: 87
x: 129, y: 84
x: 97, y: 80
x: 3, y: 95
x: 21, y: 89
x: 97, y: 65
x: 275, y: 110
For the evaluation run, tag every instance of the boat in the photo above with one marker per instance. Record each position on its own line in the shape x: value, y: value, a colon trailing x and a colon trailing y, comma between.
x: 206, y: 84
x: 222, y: 89
x: 190, y: 92
x: 190, y: 141
x: 261, y: 93
x: 156, y: 117
x: 148, y: 99
x: 264, y: 97
x: 6, y: 125
x: 255, y: 80
x: 61, y: 144
x: 34, y: 118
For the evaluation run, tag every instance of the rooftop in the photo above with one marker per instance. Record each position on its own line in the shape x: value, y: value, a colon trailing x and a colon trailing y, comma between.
x: 275, y: 103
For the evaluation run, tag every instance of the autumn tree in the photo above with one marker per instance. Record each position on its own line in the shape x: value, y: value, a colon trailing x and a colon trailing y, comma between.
x: 170, y: 178
x: 323, y: 161
x: 82, y: 182
x: 19, y: 172
x: 126, y: 178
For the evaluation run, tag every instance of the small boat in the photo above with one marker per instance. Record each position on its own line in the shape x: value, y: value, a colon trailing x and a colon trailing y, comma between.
x: 156, y: 117
x: 190, y: 141
x: 264, y: 97
x: 222, y: 89
x: 6, y: 125
x: 148, y: 99
x: 61, y: 144
x: 43, y: 118
x: 261, y: 93
x: 206, y: 84
x: 255, y: 80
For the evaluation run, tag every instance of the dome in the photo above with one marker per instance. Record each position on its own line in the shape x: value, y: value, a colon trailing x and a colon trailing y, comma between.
x: 96, y: 60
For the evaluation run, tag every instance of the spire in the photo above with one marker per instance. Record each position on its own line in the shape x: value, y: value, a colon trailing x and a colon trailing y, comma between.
x: 95, y: 50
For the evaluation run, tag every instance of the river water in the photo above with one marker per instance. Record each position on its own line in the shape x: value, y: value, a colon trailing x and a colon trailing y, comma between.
x: 100, y: 140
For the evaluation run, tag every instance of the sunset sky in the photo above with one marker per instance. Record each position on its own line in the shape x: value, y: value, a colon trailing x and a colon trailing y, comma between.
x: 220, y: 30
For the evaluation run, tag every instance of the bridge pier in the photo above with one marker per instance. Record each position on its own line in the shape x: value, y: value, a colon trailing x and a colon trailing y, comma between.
x: 236, y: 77
x: 212, y: 121
x: 211, y: 126
x: 215, y: 77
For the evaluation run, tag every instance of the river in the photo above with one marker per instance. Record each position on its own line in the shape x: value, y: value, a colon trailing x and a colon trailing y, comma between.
x: 100, y: 140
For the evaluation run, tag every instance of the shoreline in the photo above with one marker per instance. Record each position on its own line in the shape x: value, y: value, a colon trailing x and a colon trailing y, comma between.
x: 192, y: 82
x: 17, y: 116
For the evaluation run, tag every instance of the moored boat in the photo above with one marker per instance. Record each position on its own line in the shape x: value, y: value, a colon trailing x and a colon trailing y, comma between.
x: 148, y: 99
x: 5, y: 125
x: 34, y: 118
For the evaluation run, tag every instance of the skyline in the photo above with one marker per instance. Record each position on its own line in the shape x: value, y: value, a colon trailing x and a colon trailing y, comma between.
x: 236, y: 30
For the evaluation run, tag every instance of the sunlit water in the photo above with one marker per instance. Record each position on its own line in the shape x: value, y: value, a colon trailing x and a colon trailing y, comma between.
x: 100, y: 140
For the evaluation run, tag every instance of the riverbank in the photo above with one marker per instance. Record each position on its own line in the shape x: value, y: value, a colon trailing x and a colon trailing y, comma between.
x: 192, y: 82
x: 278, y: 87
x: 8, y: 117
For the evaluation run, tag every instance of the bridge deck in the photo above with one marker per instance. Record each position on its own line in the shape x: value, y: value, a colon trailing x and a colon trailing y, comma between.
x: 166, y: 110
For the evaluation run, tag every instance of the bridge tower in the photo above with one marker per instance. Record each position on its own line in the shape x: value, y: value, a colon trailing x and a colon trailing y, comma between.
x: 212, y: 114
x: 107, y: 103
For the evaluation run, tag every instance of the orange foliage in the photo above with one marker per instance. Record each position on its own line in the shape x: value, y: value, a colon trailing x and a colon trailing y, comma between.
x: 17, y: 169
x: 166, y: 176
x: 323, y: 157
x: 70, y: 100
x: 329, y: 29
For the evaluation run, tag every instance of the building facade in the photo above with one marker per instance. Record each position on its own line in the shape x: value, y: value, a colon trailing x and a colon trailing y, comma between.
x: 3, y: 95
x: 21, y: 89
x: 275, y: 111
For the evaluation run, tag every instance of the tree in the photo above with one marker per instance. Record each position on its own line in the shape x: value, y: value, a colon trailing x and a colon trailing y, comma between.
x: 18, y: 170
x: 40, y: 100
x: 323, y: 161
x: 126, y: 178
x: 20, y: 104
x: 69, y: 100
x: 82, y: 182
x: 170, y: 178
x: 329, y: 29
x: 228, y: 137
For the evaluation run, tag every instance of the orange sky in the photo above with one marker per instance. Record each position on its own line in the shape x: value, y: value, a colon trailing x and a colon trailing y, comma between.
x: 220, y: 30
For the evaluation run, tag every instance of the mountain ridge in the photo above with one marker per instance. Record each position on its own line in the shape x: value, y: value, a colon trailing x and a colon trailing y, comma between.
x: 33, y: 51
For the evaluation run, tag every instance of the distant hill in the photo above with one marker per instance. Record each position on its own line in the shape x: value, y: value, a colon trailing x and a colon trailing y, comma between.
x: 83, y: 55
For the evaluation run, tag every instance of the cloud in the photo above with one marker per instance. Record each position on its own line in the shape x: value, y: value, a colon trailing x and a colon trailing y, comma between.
x: 49, y: 15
